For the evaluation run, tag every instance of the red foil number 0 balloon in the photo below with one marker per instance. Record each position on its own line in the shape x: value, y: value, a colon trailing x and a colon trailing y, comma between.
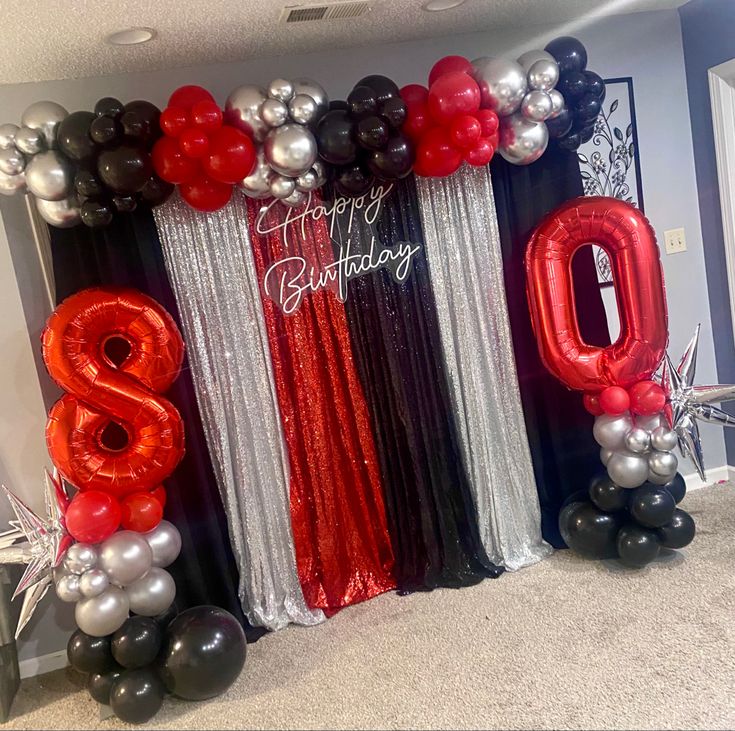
x: 114, y: 351
x: 627, y: 237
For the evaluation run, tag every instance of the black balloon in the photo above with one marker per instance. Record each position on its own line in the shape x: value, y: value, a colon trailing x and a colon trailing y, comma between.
x: 589, y: 531
x: 95, y: 214
x: 679, y: 532
x: 586, y: 133
x: 572, y: 85
x: 338, y: 104
x: 154, y: 193
x: 578, y: 496
x: 88, y: 185
x: 560, y: 125
x: 105, y: 130
x: 383, y: 87
x: 89, y: 654
x: 205, y: 653
x: 336, y: 138
x: 125, y: 203
x: 393, y: 111
x: 100, y: 684
x: 140, y: 122
x: 394, y: 160
x: 137, y: 695
x: 372, y: 133
x: 569, y: 53
x: 109, y: 107
x: 677, y: 487
x: 571, y: 141
x: 125, y: 169
x: 362, y: 102
x: 165, y: 617
x: 595, y: 84
x: 137, y: 643
x: 606, y: 495
x: 354, y: 180
x: 587, y: 108
x: 73, y: 136
x: 637, y: 546
x: 652, y: 506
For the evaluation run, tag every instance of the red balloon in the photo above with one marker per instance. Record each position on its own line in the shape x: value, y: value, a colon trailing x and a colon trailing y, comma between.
x: 489, y: 122
x: 614, y: 400
x: 418, y: 121
x: 207, y: 116
x: 436, y: 156
x: 481, y: 153
x: 206, y: 194
x: 141, y: 512
x: 231, y: 155
x: 451, y: 94
x: 174, y: 121
x: 464, y: 131
x: 171, y: 164
x: 591, y: 402
x: 194, y: 143
x: 92, y: 516
x: 448, y: 64
x: 646, y: 398
x: 185, y: 97
x: 414, y: 94
x: 160, y: 494
x: 627, y: 237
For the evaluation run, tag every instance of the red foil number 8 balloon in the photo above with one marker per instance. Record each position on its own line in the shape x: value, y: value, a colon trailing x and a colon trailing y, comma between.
x: 114, y: 351
x: 627, y: 237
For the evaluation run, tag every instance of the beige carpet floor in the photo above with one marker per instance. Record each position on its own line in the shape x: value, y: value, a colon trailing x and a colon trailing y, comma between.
x: 566, y: 644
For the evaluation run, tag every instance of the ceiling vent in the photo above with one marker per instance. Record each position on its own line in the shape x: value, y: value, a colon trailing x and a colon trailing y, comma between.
x: 324, y: 11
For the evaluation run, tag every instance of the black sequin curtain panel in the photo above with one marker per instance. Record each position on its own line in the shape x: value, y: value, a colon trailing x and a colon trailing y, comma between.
x: 128, y: 253
x: 565, y: 455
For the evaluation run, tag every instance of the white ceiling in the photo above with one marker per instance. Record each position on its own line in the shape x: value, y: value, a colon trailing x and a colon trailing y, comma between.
x: 54, y: 39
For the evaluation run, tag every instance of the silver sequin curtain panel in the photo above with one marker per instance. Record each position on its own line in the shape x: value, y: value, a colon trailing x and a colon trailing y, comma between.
x: 210, y: 265
x: 465, y: 262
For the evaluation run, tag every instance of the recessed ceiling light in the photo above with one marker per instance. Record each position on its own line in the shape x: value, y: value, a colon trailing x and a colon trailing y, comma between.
x: 434, y: 6
x: 131, y: 36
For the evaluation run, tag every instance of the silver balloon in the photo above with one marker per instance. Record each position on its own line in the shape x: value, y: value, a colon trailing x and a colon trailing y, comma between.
x: 274, y: 112
x: 308, y: 181
x: 502, y: 83
x: 281, y: 89
x: 529, y: 58
x: 242, y: 110
x: 68, y: 589
x: 321, y: 172
x: 605, y: 455
x: 663, y: 439
x: 627, y: 470
x: 125, y: 557
x: 12, y: 162
x: 165, y: 542
x: 282, y: 186
x: 649, y: 423
x: 557, y: 103
x: 49, y: 175
x: 609, y: 431
x: 257, y: 184
x: 537, y: 105
x: 290, y: 149
x: 638, y: 440
x: 103, y: 614
x: 80, y: 557
x: 30, y: 141
x: 7, y: 135
x: 543, y: 75
x: 61, y: 214
x: 303, y: 109
x: 93, y: 582
x: 152, y: 594
x: 316, y: 92
x: 522, y: 141
x: 296, y: 199
x: 663, y: 464
x: 45, y: 117
x: 11, y: 184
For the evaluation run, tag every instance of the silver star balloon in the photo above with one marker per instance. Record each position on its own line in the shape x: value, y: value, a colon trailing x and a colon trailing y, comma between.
x: 686, y: 403
x: 43, y: 543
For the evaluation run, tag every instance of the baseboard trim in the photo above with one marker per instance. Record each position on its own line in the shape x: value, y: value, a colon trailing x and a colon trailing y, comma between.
x: 714, y: 475
x: 43, y: 664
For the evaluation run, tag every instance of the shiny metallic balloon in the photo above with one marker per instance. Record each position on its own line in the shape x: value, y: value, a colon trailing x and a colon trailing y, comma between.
x: 529, y: 58
x: 12, y: 161
x: 93, y: 582
x: 609, y: 431
x: 281, y: 89
x: 80, y: 557
x: 303, y: 109
x: 502, y: 84
x: 290, y: 149
x: 296, y: 199
x: 627, y: 470
x: 49, y: 175
x: 151, y: 594
x: 536, y: 105
x: 165, y: 542
x: 522, y: 141
x: 638, y: 440
x: 45, y: 117
x: 663, y: 464
x: 281, y: 186
x: 663, y: 439
x: 103, y: 614
x: 605, y: 455
x: 67, y: 588
x: 11, y: 184
x: 321, y: 172
x: 257, y: 184
x: 316, y: 92
x: 61, y: 214
x: 649, y: 423
x: 242, y: 110
x: 557, y: 103
x: 274, y: 112
x: 543, y: 75
x: 125, y: 556
x: 7, y: 135
x: 308, y: 181
x: 30, y: 141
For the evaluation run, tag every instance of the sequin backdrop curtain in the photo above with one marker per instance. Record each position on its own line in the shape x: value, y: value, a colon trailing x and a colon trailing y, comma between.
x: 128, y: 253
x: 343, y: 550
x: 213, y: 276
x: 565, y: 455
x: 396, y: 343
x: 466, y: 268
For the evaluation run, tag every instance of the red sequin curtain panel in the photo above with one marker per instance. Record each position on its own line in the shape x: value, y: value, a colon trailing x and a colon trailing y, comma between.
x: 343, y: 550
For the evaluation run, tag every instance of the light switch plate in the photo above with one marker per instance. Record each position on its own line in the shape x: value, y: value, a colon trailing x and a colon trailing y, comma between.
x: 675, y: 241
